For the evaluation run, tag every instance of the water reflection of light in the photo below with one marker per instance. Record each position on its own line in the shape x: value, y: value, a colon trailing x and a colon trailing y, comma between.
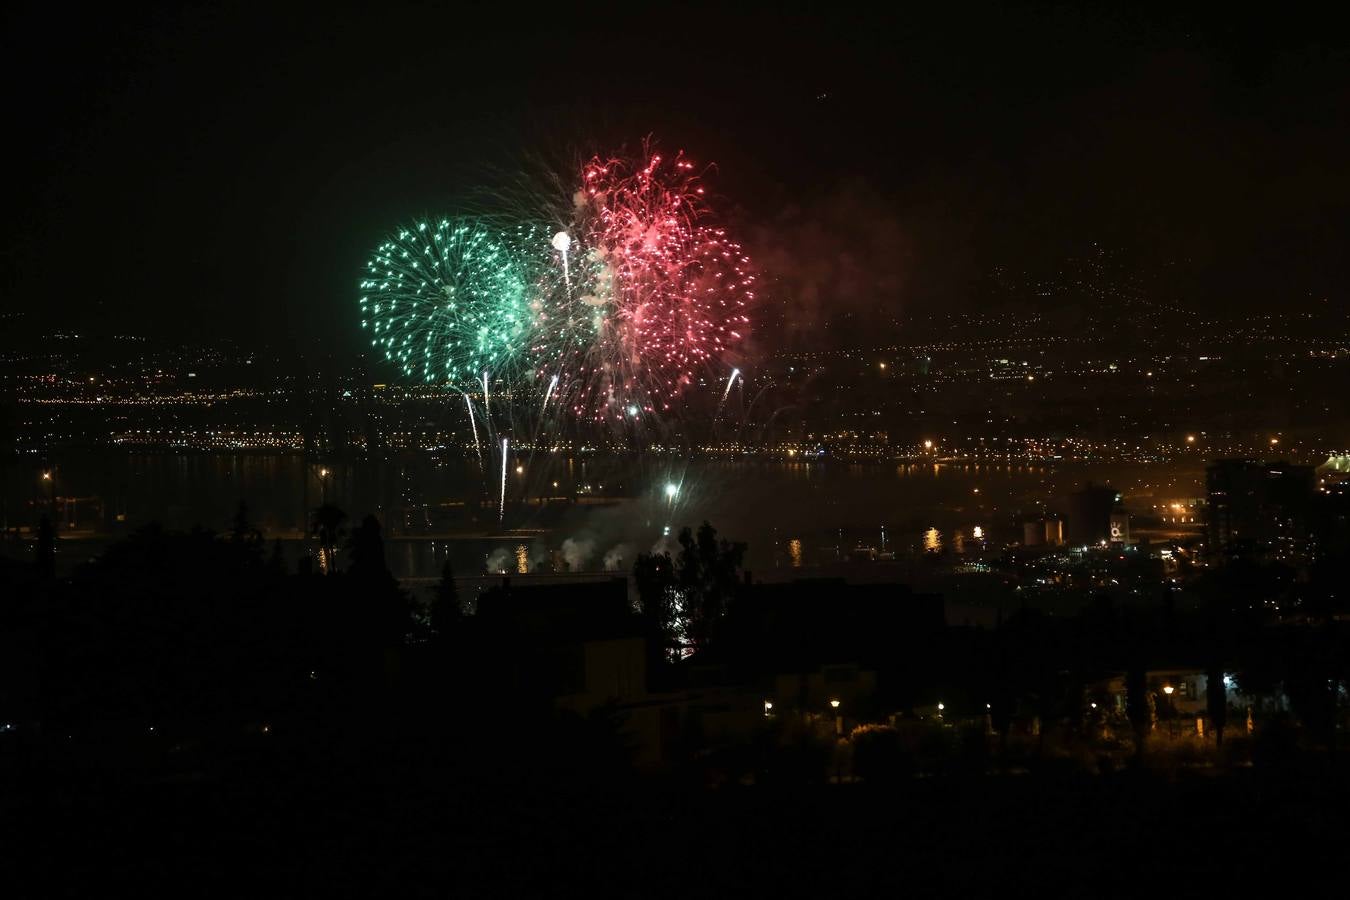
x: 932, y: 541
x: 959, y: 541
x: 795, y: 553
x: 522, y: 559
x: 978, y: 533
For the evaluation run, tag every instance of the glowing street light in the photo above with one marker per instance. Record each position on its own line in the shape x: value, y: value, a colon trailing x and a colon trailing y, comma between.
x: 1190, y: 439
x: 834, y: 704
x: 1168, y: 689
x: 928, y: 445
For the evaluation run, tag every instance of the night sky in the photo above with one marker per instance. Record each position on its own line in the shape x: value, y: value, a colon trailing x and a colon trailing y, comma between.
x: 225, y: 171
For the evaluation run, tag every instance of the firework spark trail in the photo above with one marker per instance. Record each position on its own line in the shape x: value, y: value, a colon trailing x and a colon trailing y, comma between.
x: 553, y: 382
x: 501, y: 506
x: 474, y: 426
x: 730, y: 381
x: 562, y: 241
x: 487, y: 410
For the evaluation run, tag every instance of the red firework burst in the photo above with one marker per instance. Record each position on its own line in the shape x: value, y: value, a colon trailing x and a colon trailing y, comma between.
x: 663, y: 292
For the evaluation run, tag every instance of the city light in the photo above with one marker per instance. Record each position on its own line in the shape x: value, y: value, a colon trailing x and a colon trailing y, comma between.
x: 834, y: 704
x: 672, y: 490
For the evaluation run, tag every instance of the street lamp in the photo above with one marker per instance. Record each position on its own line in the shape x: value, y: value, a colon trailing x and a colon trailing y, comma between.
x: 838, y: 718
x: 49, y: 479
x: 1170, y: 711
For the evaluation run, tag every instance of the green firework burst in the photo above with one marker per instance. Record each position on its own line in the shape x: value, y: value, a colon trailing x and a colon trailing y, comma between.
x: 450, y: 299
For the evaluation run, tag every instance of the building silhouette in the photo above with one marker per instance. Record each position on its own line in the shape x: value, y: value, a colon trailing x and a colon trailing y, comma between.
x: 1265, y: 507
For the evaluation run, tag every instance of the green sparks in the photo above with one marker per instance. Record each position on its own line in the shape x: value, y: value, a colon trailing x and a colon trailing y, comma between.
x: 446, y: 301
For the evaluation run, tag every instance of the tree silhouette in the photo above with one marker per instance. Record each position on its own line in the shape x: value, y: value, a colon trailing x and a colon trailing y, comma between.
x: 1311, y: 665
x: 445, y: 608
x: 46, y: 549
x: 374, y: 583
x: 1216, y: 702
x: 326, y: 524
x: 1138, y: 705
x: 654, y: 575
x: 708, y: 575
x: 241, y: 529
x: 276, y: 563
